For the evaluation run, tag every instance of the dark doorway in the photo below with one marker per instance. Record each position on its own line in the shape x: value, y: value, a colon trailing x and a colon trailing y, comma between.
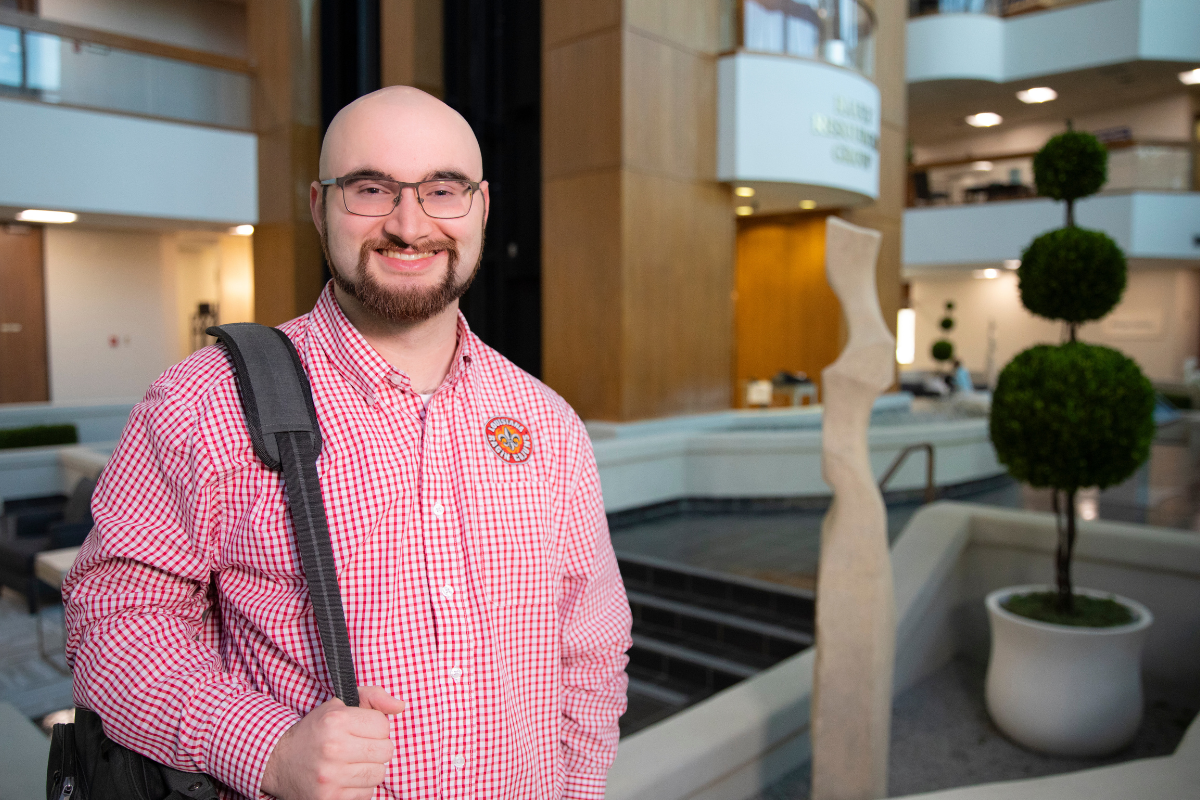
x: 349, y: 54
x: 492, y: 52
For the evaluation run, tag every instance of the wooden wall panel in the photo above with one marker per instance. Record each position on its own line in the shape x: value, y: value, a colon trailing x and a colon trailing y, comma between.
x: 287, y: 250
x: 410, y: 44
x: 23, y: 366
x: 638, y: 236
x: 786, y: 315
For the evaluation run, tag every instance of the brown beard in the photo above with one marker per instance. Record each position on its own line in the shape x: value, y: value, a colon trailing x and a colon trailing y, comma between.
x: 401, y: 306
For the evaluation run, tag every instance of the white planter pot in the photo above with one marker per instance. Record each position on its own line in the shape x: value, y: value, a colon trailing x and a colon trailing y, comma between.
x: 1062, y: 689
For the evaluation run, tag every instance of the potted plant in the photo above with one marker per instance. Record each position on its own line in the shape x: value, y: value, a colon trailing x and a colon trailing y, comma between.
x: 1065, y: 669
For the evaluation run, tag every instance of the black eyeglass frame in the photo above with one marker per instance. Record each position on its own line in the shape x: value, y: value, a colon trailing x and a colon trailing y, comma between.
x: 341, y: 184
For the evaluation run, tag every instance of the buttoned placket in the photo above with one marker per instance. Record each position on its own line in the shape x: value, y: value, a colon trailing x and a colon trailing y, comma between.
x: 441, y: 524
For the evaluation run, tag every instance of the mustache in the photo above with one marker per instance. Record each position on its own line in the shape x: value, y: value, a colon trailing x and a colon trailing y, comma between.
x: 372, y: 245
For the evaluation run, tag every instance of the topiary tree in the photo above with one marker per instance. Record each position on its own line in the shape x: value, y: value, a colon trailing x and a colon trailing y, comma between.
x: 1072, y: 415
x: 943, y: 349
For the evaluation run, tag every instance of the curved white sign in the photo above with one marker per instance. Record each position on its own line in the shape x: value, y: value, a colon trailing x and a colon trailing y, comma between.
x: 788, y: 120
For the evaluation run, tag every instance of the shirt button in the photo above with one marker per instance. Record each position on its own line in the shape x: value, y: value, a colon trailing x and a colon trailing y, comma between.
x: 455, y: 673
x: 459, y: 761
x: 448, y: 591
x: 396, y: 380
x: 438, y: 509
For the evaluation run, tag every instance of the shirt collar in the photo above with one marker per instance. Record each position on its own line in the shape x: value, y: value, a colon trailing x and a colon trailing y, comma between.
x: 359, y: 362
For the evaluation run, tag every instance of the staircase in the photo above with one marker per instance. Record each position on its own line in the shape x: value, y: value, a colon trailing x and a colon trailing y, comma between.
x: 698, y: 631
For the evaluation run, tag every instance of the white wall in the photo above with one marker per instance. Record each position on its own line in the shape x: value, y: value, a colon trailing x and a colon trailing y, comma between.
x: 125, y: 165
x: 1157, y: 322
x: 107, y: 314
x: 119, y: 304
x: 217, y: 27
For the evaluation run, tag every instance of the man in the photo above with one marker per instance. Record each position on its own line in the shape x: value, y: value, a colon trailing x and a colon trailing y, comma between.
x: 484, y: 607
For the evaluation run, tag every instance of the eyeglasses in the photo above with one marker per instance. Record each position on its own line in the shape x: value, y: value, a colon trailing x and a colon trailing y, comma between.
x: 440, y: 198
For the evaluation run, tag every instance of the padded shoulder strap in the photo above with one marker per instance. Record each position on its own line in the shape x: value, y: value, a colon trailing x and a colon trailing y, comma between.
x: 283, y: 425
x: 273, y: 384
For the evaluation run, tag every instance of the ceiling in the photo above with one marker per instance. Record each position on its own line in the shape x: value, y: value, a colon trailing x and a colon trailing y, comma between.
x: 937, y: 109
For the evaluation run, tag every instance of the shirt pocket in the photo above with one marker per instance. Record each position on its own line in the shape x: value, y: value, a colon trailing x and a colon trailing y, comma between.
x: 508, y: 543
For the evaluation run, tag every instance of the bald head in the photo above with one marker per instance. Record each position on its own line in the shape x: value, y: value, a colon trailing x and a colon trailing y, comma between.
x: 400, y: 129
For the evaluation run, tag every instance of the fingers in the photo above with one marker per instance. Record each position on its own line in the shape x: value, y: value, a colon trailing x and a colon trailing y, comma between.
x: 373, y: 697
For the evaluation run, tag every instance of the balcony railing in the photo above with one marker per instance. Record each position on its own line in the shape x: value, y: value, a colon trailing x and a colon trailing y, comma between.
x: 840, y: 32
x: 66, y: 65
x: 996, y: 8
x: 1132, y: 166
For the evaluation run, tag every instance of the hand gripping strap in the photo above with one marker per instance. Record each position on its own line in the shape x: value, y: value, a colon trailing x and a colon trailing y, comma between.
x: 277, y: 400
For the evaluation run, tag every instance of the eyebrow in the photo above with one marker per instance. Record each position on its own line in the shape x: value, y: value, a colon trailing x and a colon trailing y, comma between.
x: 436, y: 175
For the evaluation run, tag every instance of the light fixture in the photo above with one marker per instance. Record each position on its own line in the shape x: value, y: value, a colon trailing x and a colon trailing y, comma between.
x: 242, y: 230
x: 744, y: 191
x: 1012, y: 263
x: 982, y: 166
x: 906, y: 336
x: 1191, y: 77
x: 988, y: 273
x: 1038, y: 94
x: 744, y: 211
x: 41, y: 215
x: 808, y: 204
x: 984, y: 119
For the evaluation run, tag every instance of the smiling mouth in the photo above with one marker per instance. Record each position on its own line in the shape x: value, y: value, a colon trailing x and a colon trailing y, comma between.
x: 400, y: 255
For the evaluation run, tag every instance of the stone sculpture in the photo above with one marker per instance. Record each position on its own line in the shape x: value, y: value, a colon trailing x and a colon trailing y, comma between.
x: 856, y: 609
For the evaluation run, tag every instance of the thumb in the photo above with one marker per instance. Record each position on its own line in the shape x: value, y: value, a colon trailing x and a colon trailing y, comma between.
x: 376, y: 698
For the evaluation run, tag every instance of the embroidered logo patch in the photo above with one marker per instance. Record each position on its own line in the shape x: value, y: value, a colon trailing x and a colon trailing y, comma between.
x: 509, y: 439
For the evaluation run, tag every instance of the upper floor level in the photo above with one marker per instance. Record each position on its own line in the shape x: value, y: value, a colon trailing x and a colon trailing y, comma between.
x: 140, y: 109
x: 971, y: 40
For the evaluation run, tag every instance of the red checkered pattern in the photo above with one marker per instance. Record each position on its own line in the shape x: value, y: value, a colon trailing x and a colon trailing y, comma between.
x: 482, y: 592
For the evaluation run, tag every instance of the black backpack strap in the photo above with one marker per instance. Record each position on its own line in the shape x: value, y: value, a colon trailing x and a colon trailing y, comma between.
x: 277, y: 400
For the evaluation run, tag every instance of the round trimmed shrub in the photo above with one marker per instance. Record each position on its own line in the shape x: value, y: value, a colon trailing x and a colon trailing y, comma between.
x: 1071, y: 416
x: 1072, y: 274
x: 947, y: 323
x: 1070, y: 165
x: 942, y: 350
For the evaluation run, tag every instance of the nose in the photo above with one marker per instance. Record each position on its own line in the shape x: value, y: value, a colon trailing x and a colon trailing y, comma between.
x: 408, y: 221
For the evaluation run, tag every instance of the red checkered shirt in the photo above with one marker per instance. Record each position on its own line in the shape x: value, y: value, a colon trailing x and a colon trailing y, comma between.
x: 480, y: 589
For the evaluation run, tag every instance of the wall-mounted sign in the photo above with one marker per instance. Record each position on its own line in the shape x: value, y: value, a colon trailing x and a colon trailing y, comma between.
x: 798, y: 129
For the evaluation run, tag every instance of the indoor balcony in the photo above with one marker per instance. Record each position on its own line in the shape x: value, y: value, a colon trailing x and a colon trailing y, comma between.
x: 143, y: 131
x: 798, y: 115
x: 969, y: 40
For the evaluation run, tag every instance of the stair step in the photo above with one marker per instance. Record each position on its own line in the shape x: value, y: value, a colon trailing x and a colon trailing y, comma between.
x: 767, y: 629
x: 707, y: 661
x: 769, y: 603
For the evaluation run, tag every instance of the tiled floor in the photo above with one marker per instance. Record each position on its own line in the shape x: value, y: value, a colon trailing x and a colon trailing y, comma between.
x: 27, y: 680
x: 942, y: 738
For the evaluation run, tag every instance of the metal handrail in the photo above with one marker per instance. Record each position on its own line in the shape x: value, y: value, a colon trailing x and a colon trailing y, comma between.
x: 930, y: 487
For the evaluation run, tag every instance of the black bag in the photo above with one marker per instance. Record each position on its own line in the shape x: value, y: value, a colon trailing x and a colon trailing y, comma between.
x: 277, y: 400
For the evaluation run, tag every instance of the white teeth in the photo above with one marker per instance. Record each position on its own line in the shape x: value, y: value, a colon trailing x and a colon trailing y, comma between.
x: 405, y: 256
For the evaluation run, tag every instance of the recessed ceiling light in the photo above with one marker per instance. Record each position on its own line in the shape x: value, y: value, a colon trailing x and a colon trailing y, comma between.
x: 41, y: 215
x: 242, y: 230
x: 982, y: 166
x: 744, y: 191
x: 1012, y: 263
x: 1191, y: 77
x: 984, y: 119
x: 1038, y: 94
x: 807, y: 204
x: 744, y: 211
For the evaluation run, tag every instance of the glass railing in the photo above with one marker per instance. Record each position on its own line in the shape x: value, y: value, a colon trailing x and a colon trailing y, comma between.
x: 1132, y: 166
x: 997, y: 8
x: 76, y: 72
x: 840, y: 32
